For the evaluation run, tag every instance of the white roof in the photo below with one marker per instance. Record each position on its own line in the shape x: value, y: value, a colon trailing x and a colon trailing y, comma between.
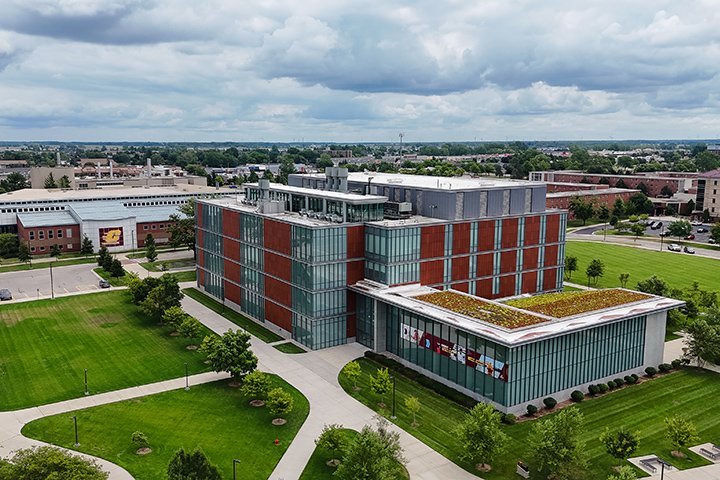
x: 291, y: 217
x: 435, y: 183
x: 111, y: 193
x: 347, y: 197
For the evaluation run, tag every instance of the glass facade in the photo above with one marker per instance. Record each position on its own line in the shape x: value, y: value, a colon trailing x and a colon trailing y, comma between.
x: 393, y: 255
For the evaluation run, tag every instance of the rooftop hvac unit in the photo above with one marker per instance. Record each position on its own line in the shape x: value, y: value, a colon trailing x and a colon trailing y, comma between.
x: 396, y: 210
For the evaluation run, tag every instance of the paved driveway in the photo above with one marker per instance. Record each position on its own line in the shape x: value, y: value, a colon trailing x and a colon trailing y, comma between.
x: 34, y: 283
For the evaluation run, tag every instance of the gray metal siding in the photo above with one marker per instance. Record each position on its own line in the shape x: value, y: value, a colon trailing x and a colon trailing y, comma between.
x: 538, y: 199
x: 517, y: 201
x: 495, y: 203
x: 471, y: 207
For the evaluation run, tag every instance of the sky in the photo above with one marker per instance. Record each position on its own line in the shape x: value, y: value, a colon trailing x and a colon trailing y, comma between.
x: 358, y: 71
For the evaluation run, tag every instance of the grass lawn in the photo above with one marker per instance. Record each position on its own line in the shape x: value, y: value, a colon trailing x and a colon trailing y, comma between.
x: 289, y: 347
x: 252, y: 327
x: 46, y: 264
x: 317, y: 468
x: 642, y: 408
x: 157, y: 266
x: 187, y: 276
x: 46, y: 344
x: 678, y: 270
x: 114, y: 281
x: 212, y: 416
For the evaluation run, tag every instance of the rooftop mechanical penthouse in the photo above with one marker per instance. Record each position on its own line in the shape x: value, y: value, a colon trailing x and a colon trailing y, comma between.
x: 328, y: 258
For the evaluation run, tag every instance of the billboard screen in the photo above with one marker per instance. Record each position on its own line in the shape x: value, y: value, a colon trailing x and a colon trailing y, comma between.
x: 111, y: 236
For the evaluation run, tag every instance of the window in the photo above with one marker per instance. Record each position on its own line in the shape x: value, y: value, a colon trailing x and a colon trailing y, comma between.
x: 32, y: 249
x: 162, y: 225
x: 31, y: 235
x: 69, y: 246
x: 68, y: 233
x: 59, y: 233
x: 41, y: 234
x: 154, y: 227
x: 145, y: 227
x: 51, y: 234
x: 42, y: 249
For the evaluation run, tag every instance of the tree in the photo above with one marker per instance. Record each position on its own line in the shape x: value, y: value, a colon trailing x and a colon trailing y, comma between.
x: 381, y: 384
x: 582, y: 209
x: 624, y: 473
x: 50, y: 181
x: 666, y: 191
x: 558, y: 450
x: 231, y: 353
x: 41, y: 463
x: 679, y: 228
x: 64, y: 182
x: 413, y: 406
x: 174, y: 317
x: 603, y: 214
x: 116, y: 268
x: 618, y: 209
x: 9, y: 245
x: 332, y: 439
x: 715, y: 232
x: 255, y: 385
x: 182, y: 228
x: 139, y: 439
x: 165, y: 295
x: 638, y: 203
x: 150, y: 250
x: 190, y: 328
x: 480, y: 435
x: 671, y: 210
x: 638, y: 229
x: 24, y: 252
x: 86, y: 246
x: 624, y: 277
x: 279, y: 402
x: 139, y: 289
x: 190, y: 466
x: 372, y: 455
x: 642, y: 187
x: 706, y: 215
x: 14, y: 181
x: 55, y: 250
x: 594, y: 271
x: 571, y: 265
x: 352, y: 371
x: 103, y: 253
x: 680, y: 431
x: 620, y: 444
x: 703, y: 339
x: 653, y: 285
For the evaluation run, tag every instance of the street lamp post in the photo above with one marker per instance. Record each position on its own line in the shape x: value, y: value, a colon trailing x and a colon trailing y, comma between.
x: 235, y: 462
x: 393, y: 410
x: 77, y: 443
x: 52, y: 288
x: 662, y: 237
x: 187, y: 384
x: 87, y: 392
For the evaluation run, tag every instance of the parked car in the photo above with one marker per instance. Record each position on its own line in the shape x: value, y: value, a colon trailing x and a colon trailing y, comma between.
x: 656, y: 225
x: 104, y: 284
x: 711, y: 241
x: 5, y: 294
x: 689, y: 250
x: 664, y: 233
x: 674, y: 247
x: 690, y: 237
x: 702, y: 230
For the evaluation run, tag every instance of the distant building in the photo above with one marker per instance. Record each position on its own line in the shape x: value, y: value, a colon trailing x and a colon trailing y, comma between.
x: 708, y: 193
x: 38, y: 176
x: 599, y: 197
x: 654, y: 182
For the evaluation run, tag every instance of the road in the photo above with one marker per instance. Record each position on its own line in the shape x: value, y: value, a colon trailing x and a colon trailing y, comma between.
x: 36, y: 283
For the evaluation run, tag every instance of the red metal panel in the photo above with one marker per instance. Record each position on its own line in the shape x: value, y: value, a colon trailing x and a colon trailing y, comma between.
x: 509, y: 232
x: 232, y: 292
x: 484, y: 265
x: 529, y: 282
x: 532, y: 230
x: 351, y: 328
x: 461, y: 238
x: 199, y: 238
x: 462, y: 287
x: 198, y: 214
x: 231, y: 223
x: 232, y: 271
x: 278, y: 266
x: 508, y: 261
x: 483, y: 288
x: 486, y: 235
x: 282, y: 317
x: 530, y: 258
x: 507, y: 286
x: 201, y: 277
x: 460, y: 268
x: 279, y: 291
x: 200, y: 258
x: 356, y: 242
x: 355, y: 272
x: 552, y: 228
x: 551, y: 253
x: 277, y: 236
x: 231, y: 249
x: 432, y: 241
x: 549, y: 280
x: 431, y: 272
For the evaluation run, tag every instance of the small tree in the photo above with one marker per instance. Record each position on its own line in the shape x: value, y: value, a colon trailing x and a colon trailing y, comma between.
x: 624, y: 473
x: 116, y: 268
x: 103, y: 253
x: 624, y: 277
x: 64, y: 182
x: 107, y: 263
x: 381, y: 384
x: 372, y: 455
x: 24, y: 252
x: 164, y: 295
x: 582, y: 209
x: 653, y: 285
x: 637, y: 229
x: 255, y: 385
x: 413, y: 406
x: 184, y: 466
x: 332, y: 439
x: 715, y: 232
x: 480, y: 435
x: 139, y: 289
x: 150, y: 249
x: 139, y: 439
x: 706, y: 215
x: 352, y: 371
x: 231, y: 353
x: 50, y: 181
x: 571, y: 265
x: 174, y: 317
x: 679, y: 228
x: 279, y: 402
x: 603, y: 214
x: 595, y: 270
x: 55, y: 250
x: 190, y: 328
x: 86, y: 246
x: 680, y: 431
x: 558, y: 450
x: 620, y: 444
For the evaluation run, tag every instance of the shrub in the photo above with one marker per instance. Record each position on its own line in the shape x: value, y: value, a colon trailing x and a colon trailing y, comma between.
x: 577, y: 396
x: 630, y: 380
x: 549, y: 403
x: 619, y: 382
x: 664, y: 367
x: 531, y: 410
x: 650, y: 371
x: 508, y: 419
x: 139, y: 440
x: 603, y: 388
x: 634, y: 375
x: 593, y: 389
x: 611, y: 385
x: 676, y: 363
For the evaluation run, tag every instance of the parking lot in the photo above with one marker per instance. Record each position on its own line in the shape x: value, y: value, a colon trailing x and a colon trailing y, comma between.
x: 35, y: 283
x: 649, y: 232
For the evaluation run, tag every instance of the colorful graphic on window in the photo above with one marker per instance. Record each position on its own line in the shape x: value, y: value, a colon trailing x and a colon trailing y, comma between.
x: 111, y: 236
x: 458, y: 353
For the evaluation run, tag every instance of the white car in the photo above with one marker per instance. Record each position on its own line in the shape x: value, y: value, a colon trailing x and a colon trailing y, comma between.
x: 674, y: 247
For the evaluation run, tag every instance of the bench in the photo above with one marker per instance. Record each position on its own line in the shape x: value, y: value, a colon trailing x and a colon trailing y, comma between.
x: 709, y: 454
x: 648, y: 463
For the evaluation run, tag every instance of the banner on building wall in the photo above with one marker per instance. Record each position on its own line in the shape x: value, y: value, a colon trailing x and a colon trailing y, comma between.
x: 111, y: 236
x: 458, y: 353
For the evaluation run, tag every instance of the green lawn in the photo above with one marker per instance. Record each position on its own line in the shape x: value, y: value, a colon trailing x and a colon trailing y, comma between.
x: 45, y: 345
x: 46, y: 264
x: 252, y: 327
x: 289, y: 347
x: 157, y: 266
x: 114, y: 281
x: 213, y: 416
x: 678, y: 270
x: 187, y: 276
x: 642, y: 408
x: 317, y: 468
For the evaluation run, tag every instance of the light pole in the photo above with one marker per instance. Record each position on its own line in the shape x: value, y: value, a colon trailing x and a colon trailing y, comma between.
x: 52, y: 289
x: 77, y: 443
x: 187, y: 384
x: 662, y: 468
x: 86, y: 386
x: 662, y: 237
x: 393, y: 410
x: 235, y: 462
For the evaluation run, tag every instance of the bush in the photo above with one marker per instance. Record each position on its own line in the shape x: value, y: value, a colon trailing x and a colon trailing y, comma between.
x: 531, y: 410
x: 508, y: 419
x: 139, y: 440
x: 630, y: 380
x: 611, y: 385
x: 593, y: 389
x: 650, y: 371
x: 634, y: 375
x: 577, y: 396
x: 603, y: 387
x: 664, y: 367
x: 549, y: 403
x: 619, y: 382
x: 677, y: 363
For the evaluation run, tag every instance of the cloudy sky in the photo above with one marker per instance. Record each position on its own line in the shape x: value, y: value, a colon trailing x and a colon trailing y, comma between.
x: 346, y: 71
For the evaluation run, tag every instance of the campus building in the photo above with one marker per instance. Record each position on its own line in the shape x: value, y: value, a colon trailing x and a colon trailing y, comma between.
x: 338, y: 257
